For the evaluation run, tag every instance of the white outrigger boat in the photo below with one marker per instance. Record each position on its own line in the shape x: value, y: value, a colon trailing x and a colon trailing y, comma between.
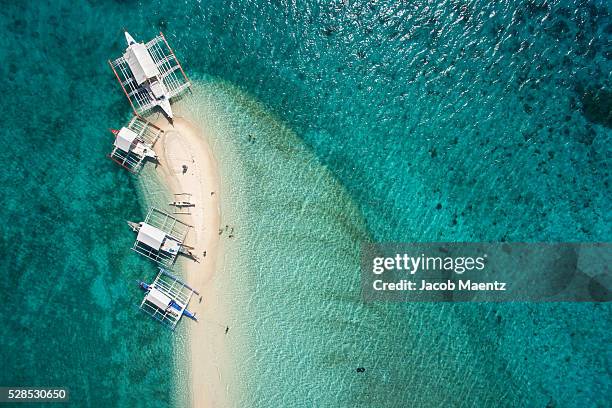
x: 150, y: 75
x: 134, y: 144
x: 146, y: 73
x: 161, y: 237
x: 128, y: 141
x: 167, y: 298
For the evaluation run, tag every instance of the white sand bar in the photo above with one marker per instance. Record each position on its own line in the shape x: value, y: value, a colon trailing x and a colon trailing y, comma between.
x: 185, y: 144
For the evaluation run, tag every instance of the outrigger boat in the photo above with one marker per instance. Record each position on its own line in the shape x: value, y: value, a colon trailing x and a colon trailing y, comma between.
x: 159, y: 245
x: 150, y: 75
x: 181, y: 204
x: 147, y: 74
x: 134, y: 144
x: 166, y: 299
x: 163, y: 302
x: 129, y: 141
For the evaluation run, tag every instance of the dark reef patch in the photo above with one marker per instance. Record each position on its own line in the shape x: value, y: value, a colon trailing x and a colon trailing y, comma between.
x: 587, y: 137
x: 597, y: 106
x: 162, y: 24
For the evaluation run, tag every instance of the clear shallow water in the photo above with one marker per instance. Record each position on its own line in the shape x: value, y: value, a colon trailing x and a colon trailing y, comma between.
x: 295, y: 259
x: 489, y: 110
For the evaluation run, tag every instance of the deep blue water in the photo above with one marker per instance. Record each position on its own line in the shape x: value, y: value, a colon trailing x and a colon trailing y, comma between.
x: 454, y: 121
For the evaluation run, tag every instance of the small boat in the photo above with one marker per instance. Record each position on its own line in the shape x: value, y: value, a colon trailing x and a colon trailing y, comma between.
x: 130, y: 142
x: 130, y: 150
x: 170, y: 305
x: 134, y: 144
x: 160, y: 236
x: 147, y: 74
x: 181, y: 204
x: 150, y: 75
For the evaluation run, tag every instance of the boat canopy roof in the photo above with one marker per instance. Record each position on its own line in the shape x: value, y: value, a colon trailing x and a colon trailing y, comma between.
x: 125, y: 138
x: 140, y: 62
x: 151, y: 236
x: 158, y: 298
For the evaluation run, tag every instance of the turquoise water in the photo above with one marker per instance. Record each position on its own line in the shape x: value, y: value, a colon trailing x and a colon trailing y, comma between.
x: 376, y: 120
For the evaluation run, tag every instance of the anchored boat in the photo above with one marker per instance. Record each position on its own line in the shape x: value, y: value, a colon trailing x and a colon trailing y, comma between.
x: 161, y: 237
x: 134, y: 144
x: 129, y: 139
x: 148, y: 75
x: 167, y: 298
x: 163, y: 302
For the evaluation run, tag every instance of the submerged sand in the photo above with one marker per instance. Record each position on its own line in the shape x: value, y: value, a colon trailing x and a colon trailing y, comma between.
x: 184, y: 144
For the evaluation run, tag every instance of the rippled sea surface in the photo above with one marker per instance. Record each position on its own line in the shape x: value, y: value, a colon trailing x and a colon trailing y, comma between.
x: 386, y: 121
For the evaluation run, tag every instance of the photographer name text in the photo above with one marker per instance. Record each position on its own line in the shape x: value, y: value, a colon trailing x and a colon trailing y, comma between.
x: 426, y: 286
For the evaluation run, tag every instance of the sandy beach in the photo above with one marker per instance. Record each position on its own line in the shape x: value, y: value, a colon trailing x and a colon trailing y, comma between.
x: 183, y: 144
